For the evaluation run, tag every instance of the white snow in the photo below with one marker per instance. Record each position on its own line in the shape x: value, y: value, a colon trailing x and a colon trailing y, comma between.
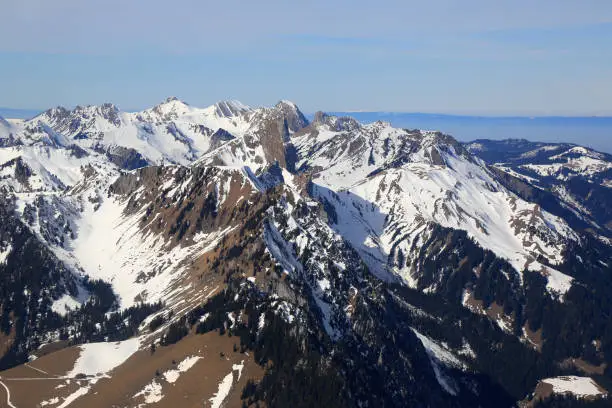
x: 324, y: 284
x: 216, y: 401
x: 585, y: 165
x: 579, y: 386
x: 440, y: 353
x: 100, y: 358
x: 65, y: 304
x: 533, y: 153
x: 50, y: 401
x: 4, y: 253
x: 238, y: 367
x: 440, y: 357
x: 466, y: 350
x: 514, y: 173
x: 558, y: 282
x: 113, y: 247
x: 375, y: 208
x: 262, y: 321
x: 152, y: 393
x: 223, y: 391
x: 78, y: 393
x: 172, y: 375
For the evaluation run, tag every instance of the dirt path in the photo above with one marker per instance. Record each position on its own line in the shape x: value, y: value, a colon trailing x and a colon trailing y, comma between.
x: 37, y: 369
x: 8, y: 395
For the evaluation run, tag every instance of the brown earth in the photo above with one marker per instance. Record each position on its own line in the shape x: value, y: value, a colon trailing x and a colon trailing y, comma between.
x: 194, y: 388
x: 6, y: 340
x: 534, y: 337
x: 584, y: 366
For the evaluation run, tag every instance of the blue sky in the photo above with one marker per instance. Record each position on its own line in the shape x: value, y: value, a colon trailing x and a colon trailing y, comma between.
x: 545, y: 57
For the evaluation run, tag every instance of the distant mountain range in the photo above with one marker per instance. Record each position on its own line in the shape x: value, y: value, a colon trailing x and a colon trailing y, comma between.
x: 10, y: 113
x: 593, y: 131
x: 237, y: 256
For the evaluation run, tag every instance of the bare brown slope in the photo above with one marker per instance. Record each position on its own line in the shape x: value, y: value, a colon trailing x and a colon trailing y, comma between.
x: 194, y: 388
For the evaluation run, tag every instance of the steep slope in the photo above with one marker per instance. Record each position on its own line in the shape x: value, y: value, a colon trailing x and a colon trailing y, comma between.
x: 266, y: 139
x: 387, y: 187
x: 568, y: 180
x: 286, y: 304
x: 173, y: 214
x: 32, y: 285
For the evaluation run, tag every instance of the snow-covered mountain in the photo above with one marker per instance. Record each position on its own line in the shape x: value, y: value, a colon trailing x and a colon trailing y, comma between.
x: 171, y: 131
x: 559, y: 161
x: 388, y: 188
x: 394, y: 266
x: 569, y: 180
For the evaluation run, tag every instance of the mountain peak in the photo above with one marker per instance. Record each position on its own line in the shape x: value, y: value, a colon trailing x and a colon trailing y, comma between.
x: 286, y: 102
x: 172, y: 99
x: 171, y: 108
x: 339, y: 124
x: 92, y: 109
x: 230, y: 108
x: 292, y: 114
x: 56, y: 111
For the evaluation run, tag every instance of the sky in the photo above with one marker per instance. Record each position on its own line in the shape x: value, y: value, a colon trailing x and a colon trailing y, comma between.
x: 519, y: 57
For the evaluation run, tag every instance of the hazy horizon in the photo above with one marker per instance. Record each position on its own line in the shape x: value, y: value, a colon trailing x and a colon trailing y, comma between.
x: 472, y: 57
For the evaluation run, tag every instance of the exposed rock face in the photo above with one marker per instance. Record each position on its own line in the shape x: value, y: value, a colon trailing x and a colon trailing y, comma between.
x: 77, y: 152
x: 338, y: 124
x: 21, y: 171
x: 10, y: 141
x: 230, y: 109
x: 293, y: 118
x: 220, y: 137
x: 275, y: 131
x: 126, y: 158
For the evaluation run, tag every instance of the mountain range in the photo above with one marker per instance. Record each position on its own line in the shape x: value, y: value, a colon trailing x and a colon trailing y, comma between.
x: 238, y: 256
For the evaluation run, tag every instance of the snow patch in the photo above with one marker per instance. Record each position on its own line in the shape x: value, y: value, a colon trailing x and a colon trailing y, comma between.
x: 100, y: 358
x: 558, y: 282
x: 223, y: 391
x: 225, y: 386
x: 51, y: 401
x: 78, y: 393
x: 65, y: 304
x: 579, y: 386
x: 172, y: 375
x: 440, y: 357
x: 4, y: 253
x: 152, y: 393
